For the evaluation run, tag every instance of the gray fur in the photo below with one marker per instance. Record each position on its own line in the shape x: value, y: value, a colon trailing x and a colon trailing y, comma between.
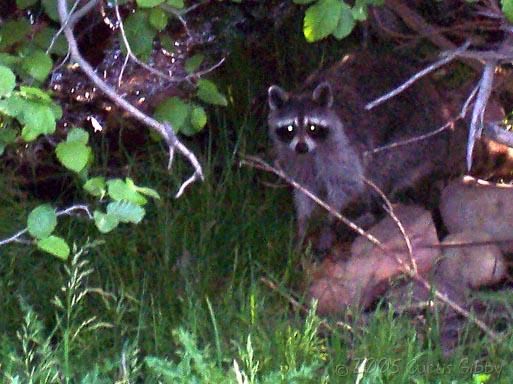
x: 334, y: 166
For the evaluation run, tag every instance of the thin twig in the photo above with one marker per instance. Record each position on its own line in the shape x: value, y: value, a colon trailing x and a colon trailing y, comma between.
x: 179, y: 16
x: 417, y: 23
x: 14, y: 237
x: 73, y: 208
x: 296, y: 304
x: 258, y: 163
x: 389, y: 208
x: 17, y: 236
x: 131, y: 55
x: 149, y: 68
x: 448, y: 56
x: 447, y: 125
x: 168, y: 134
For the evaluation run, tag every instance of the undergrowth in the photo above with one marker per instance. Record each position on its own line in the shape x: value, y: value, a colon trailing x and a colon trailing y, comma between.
x: 179, y: 298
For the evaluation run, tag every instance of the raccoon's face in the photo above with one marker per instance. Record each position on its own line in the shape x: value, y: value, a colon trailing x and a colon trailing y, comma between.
x: 302, y: 123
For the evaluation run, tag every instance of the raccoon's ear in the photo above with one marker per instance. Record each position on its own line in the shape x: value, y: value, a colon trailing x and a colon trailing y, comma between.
x: 277, y: 97
x: 323, y: 95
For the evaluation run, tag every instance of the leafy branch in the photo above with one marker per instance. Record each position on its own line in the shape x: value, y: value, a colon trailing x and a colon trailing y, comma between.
x: 165, y: 130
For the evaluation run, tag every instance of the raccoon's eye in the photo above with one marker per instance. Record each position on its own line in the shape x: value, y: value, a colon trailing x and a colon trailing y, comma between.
x: 318, y: 132
x: 286, y: 133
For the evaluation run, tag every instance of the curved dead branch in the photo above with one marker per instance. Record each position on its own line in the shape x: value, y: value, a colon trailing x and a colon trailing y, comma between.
x: 164, y: 130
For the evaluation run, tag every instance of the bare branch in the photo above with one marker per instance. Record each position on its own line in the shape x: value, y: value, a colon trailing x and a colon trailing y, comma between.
x: 179, y: 16
x: 131, y: 55
x: 448, y: 56
x: 73, y: 208
x: 296, y: 304
x: 14, y: 237
x: 258, y: 163
x: 417, y: 23
x: 168, y: 134
x: 17, y: 236
x: 389, y: 208
x: 498, y: 134
x: 477, y: 122
x: 450, y: 123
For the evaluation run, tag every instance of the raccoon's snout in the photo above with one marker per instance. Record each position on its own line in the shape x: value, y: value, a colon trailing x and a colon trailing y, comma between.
x: 301, y: 147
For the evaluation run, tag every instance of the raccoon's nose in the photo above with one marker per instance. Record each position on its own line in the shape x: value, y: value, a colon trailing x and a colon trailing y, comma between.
x: 301, y: 147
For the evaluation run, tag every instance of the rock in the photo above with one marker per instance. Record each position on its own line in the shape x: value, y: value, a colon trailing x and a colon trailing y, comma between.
x: 472, y: 266
x: 366, y: 275
x: 470, y: 204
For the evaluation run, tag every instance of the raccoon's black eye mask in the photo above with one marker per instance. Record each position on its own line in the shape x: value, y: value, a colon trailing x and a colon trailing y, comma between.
x: 286, y: 133
x: 317, y: 132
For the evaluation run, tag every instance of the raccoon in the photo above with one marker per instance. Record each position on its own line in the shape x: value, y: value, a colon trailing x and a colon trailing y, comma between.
x: 323, y: 136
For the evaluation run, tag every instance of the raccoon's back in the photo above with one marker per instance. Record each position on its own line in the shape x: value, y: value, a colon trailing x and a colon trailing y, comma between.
x: 420, y: 109
x: 360, y: 78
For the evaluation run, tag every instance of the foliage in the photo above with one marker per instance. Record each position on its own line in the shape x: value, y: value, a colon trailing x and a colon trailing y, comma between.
x: 333, y: 17
x: 145, y: 302
x: 29, y: 111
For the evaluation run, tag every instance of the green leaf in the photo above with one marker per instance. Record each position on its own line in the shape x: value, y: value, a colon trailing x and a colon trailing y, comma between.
x: 144, y: 190
x: 50, y: 7
x: 140, y: 34
x: 13, y: 31
x: 507, y: 8
x: 38, y: 120
x: 158, y: 19
x: 2, y: 148
x: 42, y: 221
x: 38, y: 65
x: 126, y: 211
x: 198, y: 120
x: 346, y: 22
x: 321, y: 19
x: 193, y: 63
x: 359, y: 10
x: 54, y: 245
x: 149, y: 3
x: 44, y: 37
x: 8, y: 60
x: 22, y: 4
x: 78, y: 135
x: 7, y: 81
x: 174, y: 110
x: 120, y: 190
x: 56, y: 111
x: 34, y: 93
x: 8, y: 135
x: 481, y: 378
x: 303, y: 1
x: 12, y: 106
x: 96, y: 186
x: 167, y: 43
x: 178, y: 4
x: 105, y: 222
x: 208, y: 92
x: 73, y: 155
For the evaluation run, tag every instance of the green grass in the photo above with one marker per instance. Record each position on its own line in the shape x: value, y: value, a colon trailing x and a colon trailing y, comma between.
x: 178, y: 298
